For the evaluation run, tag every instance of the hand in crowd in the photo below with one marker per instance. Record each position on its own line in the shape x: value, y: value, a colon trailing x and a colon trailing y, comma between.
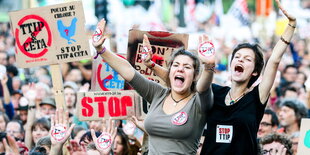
x: 31, y: 93
x: 206, y: 50
x: 138, y: 123
x: 4, y: 79
x: 60, y: 130
x: 290, y: 17
x: 75, y: 149
x: 147, y: 52
x: 98, y: 36
x: 105, y: 140
x: 10, y: 146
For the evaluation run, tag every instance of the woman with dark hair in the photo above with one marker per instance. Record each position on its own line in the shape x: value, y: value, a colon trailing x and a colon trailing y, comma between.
x: 177, y: 114
x: 121, y: 143
x: 234, y: 119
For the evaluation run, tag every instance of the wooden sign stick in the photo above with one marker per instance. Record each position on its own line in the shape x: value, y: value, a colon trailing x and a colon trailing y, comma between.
x: 58, y: 86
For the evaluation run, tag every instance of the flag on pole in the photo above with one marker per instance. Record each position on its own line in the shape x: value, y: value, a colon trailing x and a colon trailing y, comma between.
x: 239, y: 10
x: 263, y: 7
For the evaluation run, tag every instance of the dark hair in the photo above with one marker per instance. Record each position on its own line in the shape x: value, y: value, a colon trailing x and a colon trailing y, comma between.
x: 289, y: 66
x: 38, y: 150
x: 43, y: 123
x: 196, y: 65
x: 274, y: 117
x: 124, y: 139
x: 44, y: 141
x: 281, y: 138
x: 289, y: 88
x: 87, y: 136
x: 259, y: 59
x: 76, y: 130
x: 298, y: 107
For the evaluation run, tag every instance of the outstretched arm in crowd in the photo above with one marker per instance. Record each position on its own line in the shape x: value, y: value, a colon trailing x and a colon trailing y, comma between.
x: 8, y: 106
x: 30, y: 95
x: 208, y: 61
x: 105, y: 140
x: 119, y: 64
x: 275, y: 58
x: 60, y: 131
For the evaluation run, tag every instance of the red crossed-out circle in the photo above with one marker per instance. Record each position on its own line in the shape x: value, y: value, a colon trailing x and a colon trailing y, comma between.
x: 29, y: 39
x: 108, y: 78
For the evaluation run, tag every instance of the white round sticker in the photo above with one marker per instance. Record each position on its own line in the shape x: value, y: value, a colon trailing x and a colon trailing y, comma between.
x: 207, y: 49
x: 97, y: 35
x: 59, y: 132
x: 179, y: 118
x: 104, y: 141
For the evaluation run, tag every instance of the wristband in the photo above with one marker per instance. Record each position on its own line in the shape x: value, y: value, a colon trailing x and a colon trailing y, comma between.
x: 286, y: 42
x: 291, y: 25
x: 99, y: 53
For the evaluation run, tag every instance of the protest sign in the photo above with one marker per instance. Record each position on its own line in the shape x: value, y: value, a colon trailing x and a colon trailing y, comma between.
x: 50, y: 35
x: 163, y: 44
x: 104, y: 77
x: 106, y: 104
x: 304, y: 137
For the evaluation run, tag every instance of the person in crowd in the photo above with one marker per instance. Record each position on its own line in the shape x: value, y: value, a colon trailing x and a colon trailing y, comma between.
x: 289, y: 76
x: 70, y: 90
x: 290, y: 115
x: 276, y: 144
x: 15, y: 129
x: 295, y: 139
x: 47, y: 107
x: 4, y: 120
x: 177, y: 114
x: 78, y: 132
x: 236, y: 114
x: 268, y: 124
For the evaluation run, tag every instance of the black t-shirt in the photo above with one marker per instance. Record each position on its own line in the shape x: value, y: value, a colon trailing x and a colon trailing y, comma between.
x: 232, y: 130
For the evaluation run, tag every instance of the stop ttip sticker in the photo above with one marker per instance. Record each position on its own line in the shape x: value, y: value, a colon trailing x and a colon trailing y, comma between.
x: 206, y: 49
x: 59, y: 132
x: 104, y: 140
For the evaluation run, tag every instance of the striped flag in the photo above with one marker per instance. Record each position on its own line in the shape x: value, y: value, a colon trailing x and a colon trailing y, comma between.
x: 239, y: 10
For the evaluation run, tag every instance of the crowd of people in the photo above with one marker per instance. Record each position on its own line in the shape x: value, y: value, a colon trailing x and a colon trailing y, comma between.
x: 247, y: 99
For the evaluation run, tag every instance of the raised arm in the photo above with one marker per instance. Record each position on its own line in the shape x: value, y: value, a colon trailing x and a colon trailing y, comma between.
x: 275, y: 58
x: 30, y: 95
x: 147, y: 59
x: 117, y: 63
x: 206, y: 55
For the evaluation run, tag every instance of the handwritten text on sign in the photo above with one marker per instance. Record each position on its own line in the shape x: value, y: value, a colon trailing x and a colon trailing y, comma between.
x: 50, y: 35
x: 98, y: 105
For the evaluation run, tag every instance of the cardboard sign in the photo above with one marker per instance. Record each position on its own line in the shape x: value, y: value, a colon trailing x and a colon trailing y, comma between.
x: 104, y: 77
x: 50, y: 35
x: 304, y: 137
x: 116, y: 104
x: 163, y: 44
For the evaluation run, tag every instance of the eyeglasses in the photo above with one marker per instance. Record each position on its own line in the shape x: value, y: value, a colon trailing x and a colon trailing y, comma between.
x: 265, y: 152
x: 265, y: 124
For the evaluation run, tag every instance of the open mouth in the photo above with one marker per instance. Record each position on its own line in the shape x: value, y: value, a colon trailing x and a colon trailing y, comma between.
x: 179, y: 80
x: 239, y: 69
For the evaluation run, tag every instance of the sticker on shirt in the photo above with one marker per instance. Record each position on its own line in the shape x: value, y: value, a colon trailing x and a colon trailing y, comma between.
x: 224, y: 133
x: 179, y: 118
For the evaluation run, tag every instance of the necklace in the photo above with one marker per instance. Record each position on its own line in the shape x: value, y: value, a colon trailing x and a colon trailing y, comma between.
x: 236, y: 100
x: 176, y: 102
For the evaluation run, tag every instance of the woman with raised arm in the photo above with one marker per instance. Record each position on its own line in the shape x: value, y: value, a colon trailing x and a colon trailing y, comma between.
x: 177, y: 114
x: 234, y: 119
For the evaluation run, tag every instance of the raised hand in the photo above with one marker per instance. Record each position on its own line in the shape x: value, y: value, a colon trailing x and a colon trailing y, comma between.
x: 10, y: 145
x: 105, y: 140
x: 290, y: 17
x: 138, y: 123
x: 147, y: 52
x: 206, y: 51
x: 98, y: 36
x: 75, y: 149
x: 31, y: 93
x: 60, y: 130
